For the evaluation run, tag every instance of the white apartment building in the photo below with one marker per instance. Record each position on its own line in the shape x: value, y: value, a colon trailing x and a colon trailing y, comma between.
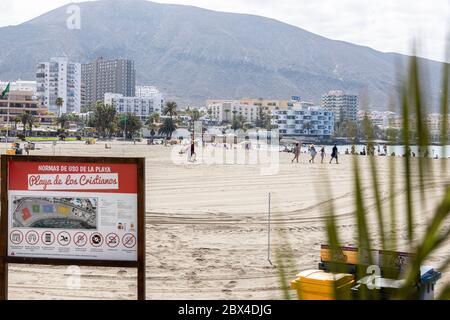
x: 344, y: 106
x: 434, y: 123
x: 146, y: 91
x: 151, y: 92
x: 225, y: 111
x: 20, y: 85
x: 381, y: 119
x: 301, y: 121
x: 142, y: 107
x: 59, y: 78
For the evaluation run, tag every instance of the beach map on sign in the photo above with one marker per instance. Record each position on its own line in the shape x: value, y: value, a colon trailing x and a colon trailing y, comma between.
x: 54, y: 212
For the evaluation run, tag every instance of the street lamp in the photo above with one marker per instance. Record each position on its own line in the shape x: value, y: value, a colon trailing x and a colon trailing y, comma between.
x: 125, y: 129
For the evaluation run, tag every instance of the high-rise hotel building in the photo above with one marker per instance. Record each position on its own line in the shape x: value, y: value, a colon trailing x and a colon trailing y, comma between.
x: 344, y: 106
x: 107, y: 76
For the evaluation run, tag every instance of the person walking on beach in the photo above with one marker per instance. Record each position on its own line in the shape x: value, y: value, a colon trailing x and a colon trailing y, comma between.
x: 296, y: 152
x: 313, y: 152
x: 322, y: 154
x: 193, y: 154
x: 334, y: 154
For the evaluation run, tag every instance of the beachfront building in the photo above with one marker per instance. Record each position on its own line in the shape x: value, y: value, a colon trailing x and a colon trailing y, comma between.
x: 17, y: 102
x: 142, y: 107
x: 344, y: 106
x: 59, y: 78
x: 146, y: 91
x: 224, y: 111
x: 301, y: 121
x: 267, y: 104
x: 434, y: 123
x: 151, y: 93
x: 381, y: 119
x: 264, y: 104
x: 107, y: 76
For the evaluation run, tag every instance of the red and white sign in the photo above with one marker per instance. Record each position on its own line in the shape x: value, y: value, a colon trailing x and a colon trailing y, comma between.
x: 71, y: 210
x: 64, y: 176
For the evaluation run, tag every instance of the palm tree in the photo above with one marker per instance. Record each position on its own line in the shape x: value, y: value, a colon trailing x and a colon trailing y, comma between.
x: 16, y: 121
x: 104, y: 119
x: 152, y: 124
x: 238, y: 122
x: 227, y: 111
x: 152, y: 127
x: 31, y: 121
x: 170, y: 109
x: 59, y: 102
x: 234, y: 114
x: 24, y: 119
x: 63, y: 120
x: 195, y: 116
x: 130, y: 124
x: 73, y: 117
x: 153, y: 118
x: 167, y: 128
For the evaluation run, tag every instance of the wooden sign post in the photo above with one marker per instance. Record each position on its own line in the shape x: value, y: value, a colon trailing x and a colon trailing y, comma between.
x: 72, y: 211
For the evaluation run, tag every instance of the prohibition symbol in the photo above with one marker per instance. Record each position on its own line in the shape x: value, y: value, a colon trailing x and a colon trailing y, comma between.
x: 80, y: 239
x: 64, y: 238
x: 16, y: 237
x: 129, y: 240
x: 32, y: 237
x: 112, y: 240
x: 96, y: 239
x: 48, y: 238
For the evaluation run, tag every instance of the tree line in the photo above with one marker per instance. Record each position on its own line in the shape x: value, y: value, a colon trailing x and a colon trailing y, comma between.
x: 108, y: 122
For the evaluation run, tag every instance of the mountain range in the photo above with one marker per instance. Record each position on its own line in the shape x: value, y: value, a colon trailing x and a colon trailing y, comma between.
x: 192, y: 54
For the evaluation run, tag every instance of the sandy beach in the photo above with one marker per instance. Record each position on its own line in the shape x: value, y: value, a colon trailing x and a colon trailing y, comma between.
x: 207, y: 225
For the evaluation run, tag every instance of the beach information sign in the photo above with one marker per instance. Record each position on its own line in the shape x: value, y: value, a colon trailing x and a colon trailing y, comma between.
x: 85, y: 211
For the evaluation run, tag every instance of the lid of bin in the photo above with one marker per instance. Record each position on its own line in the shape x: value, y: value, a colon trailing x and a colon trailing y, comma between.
x: 426, y: 269
x: 324, y: 278
x: 428, y: 274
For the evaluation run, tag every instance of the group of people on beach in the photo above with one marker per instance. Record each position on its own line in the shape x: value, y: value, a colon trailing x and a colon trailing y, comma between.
x: 313, y: 153
x: 370, y: 151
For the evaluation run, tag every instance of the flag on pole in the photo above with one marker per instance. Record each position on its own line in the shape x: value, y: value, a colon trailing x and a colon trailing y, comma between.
x: 4, y: 92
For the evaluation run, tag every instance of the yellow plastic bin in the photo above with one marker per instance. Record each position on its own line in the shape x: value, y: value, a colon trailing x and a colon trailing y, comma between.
x: 320, y: 285
x: 10, y: 151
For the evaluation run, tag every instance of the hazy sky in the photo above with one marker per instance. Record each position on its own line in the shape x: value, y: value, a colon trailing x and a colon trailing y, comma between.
x: 385, y: 25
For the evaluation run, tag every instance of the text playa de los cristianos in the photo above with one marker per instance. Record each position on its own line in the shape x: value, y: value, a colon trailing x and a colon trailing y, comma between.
x: 46, y: 182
